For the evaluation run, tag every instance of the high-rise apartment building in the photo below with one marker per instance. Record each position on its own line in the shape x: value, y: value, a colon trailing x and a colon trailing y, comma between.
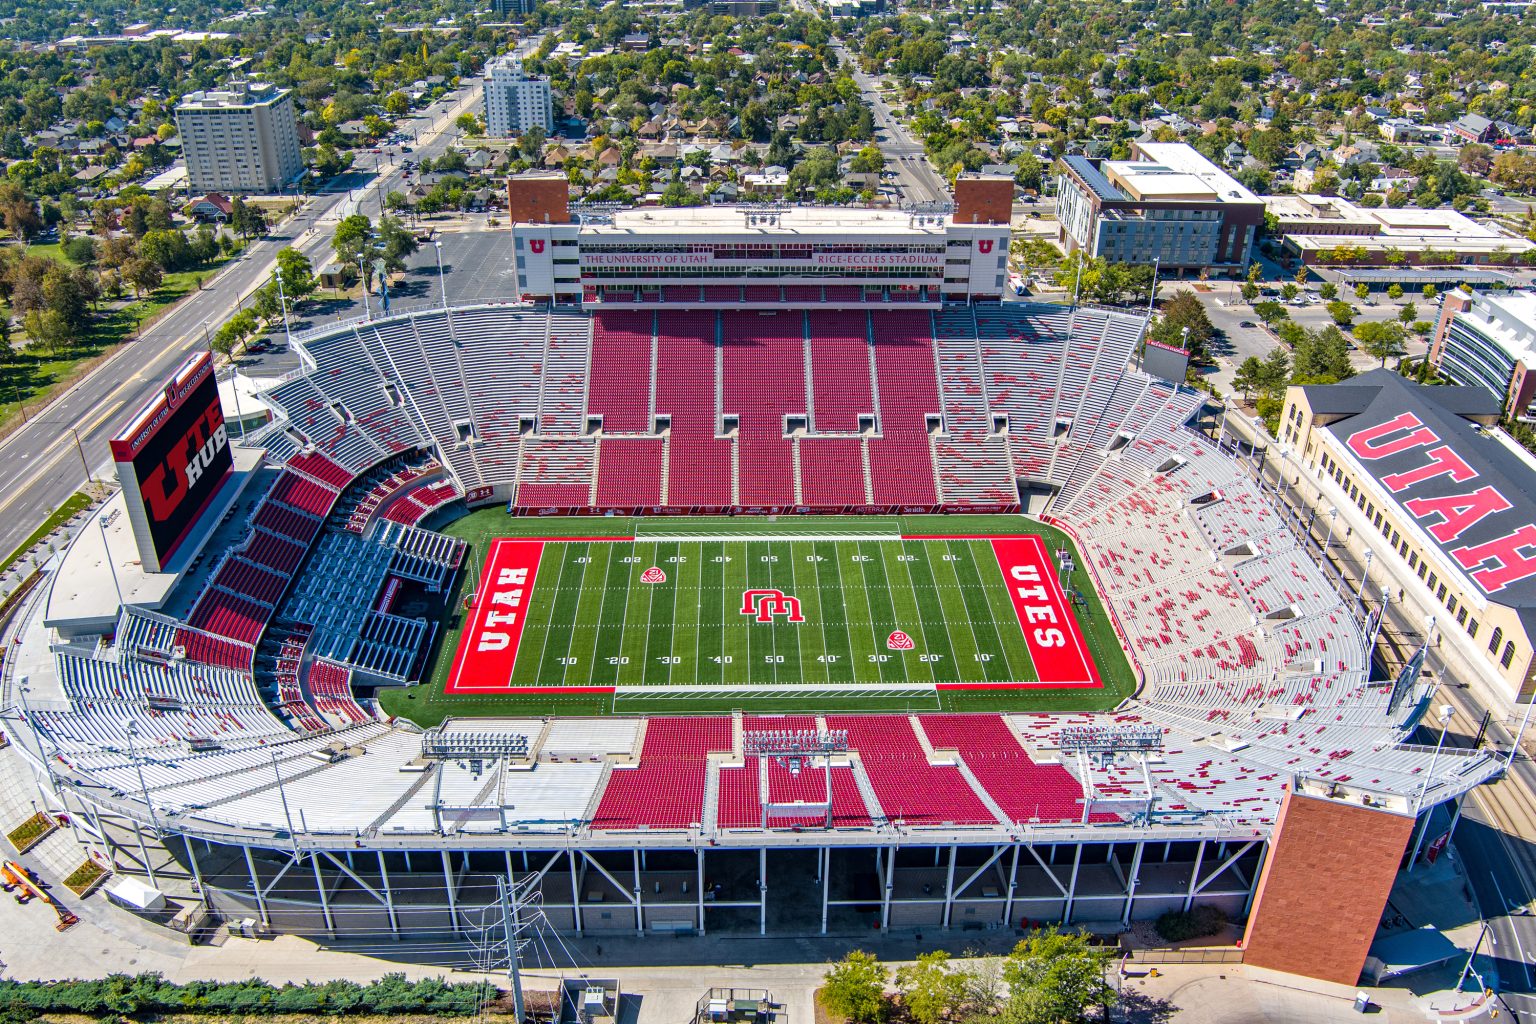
x: 515, y: 101
x: 241, y: 139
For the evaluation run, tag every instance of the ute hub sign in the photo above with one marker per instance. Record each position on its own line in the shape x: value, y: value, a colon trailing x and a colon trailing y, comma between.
x: 171, y: 459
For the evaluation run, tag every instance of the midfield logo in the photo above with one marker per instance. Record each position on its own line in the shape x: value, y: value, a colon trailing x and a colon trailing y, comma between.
x: 899, y: 641
x: 765, y: 604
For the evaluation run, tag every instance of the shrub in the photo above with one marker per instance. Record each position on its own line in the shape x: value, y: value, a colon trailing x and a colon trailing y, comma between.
x: 1181, y: 925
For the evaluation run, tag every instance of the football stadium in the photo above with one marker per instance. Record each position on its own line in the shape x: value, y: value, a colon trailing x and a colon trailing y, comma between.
x: 752, y: 570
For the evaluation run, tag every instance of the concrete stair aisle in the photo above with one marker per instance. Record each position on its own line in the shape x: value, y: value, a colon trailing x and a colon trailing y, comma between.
x: 810, y: 402
x: 655, y: 344
x: 869, y: 478
x: 794, y: 457
x: 666, y: 457
x: 597, y: 457
x: 709, y: 814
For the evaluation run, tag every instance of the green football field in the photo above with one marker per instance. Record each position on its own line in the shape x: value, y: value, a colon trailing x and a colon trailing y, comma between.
x: 856, y: 613
x: 596, y: 623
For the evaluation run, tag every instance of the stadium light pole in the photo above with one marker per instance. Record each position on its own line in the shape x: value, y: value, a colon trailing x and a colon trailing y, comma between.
x: 131, y: 729
x: 442, y: 282
x: 106, y: 550
x: 282, y: 300
x: 362, y: 271
x: 1446, y: 713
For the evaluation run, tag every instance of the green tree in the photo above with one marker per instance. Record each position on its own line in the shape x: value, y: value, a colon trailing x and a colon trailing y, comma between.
x: 1394, y: 291
x: 1429, y: 293
x: 1322, y: 357
x: 1249, y: 376
x: 1362, y: 291
x: 1328, y: 290
x: 1270, y: 312
x: 1342, y: 313
x: 1408, y: 314
x: 1055, y: 977
x: 1182, y: 312
x: 234, y: 332
x: 246, y: 220
x: 1250, y: 291
x: 48, y: 329
x: 868, y: 160
x: 855, y: 987
x: 297, y: 274
x: 355, y: 246
x: 144, y: 275
x: 931, y: 990
x: 531, y: 144
x: 1289, y: 291
x: 1381, y: 339
x: 168, y: 250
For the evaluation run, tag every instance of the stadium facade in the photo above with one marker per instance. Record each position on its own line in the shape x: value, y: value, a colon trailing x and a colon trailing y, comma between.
x: 216, y: 716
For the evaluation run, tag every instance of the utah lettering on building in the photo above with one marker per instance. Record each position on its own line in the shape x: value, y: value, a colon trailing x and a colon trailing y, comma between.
x: 1492, y: 564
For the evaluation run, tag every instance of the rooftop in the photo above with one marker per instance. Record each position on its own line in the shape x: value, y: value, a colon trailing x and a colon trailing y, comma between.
x: 1171, y: 171
x: 1455, y: 415
x: 233, y: 96
x: 84, y: 596
x: 712, y: 221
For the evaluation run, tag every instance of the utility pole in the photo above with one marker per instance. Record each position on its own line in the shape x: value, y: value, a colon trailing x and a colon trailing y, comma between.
x: 511, y: 925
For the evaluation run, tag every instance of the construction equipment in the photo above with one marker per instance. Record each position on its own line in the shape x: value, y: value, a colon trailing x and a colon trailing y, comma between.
x: 17, y: 877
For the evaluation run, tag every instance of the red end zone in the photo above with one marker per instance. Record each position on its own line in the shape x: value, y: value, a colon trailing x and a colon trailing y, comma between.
x: 488, y: 648
x: 1055, y: 642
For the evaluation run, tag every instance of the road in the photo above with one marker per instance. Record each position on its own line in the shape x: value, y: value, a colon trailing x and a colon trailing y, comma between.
x: 40, y: 463
x: 915, y: 176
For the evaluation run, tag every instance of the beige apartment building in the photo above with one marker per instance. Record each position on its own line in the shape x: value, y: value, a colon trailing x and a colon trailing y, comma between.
x: 244, y: 138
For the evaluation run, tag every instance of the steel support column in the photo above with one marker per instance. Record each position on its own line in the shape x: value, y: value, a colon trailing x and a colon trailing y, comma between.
x: 762, y: 890
x: 824, y: 858
x: 1194, y: 876
x: 453, y: 895
x: 325, y: 901
x: 389, y: 897
x: 1077, y: 860
x: 949, y: 888
x: 1132, y: 882
x: 1013, y: 886
x: 261, y: 900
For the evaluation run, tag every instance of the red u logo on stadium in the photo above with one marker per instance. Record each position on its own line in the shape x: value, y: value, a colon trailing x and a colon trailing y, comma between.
x: 984, y: 244
x: 536, y: 244
x: 765, y: 604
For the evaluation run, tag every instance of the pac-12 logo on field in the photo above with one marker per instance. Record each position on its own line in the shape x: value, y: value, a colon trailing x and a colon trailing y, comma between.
x: 899, y: 641
x: 765, y: 604
x: 653, y: 575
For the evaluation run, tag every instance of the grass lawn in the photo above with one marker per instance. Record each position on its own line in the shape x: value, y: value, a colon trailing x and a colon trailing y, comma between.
x: 592, y: 621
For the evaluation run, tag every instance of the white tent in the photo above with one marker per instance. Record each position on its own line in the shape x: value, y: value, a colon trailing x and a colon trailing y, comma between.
x: 135, y: 895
